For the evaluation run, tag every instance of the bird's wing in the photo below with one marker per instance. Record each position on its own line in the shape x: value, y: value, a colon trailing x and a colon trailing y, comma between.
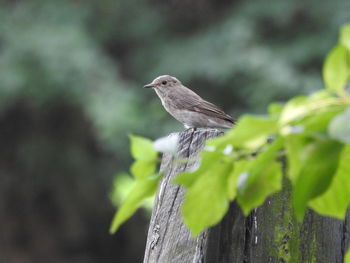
x: 193, y: 102
x: 210, y: 109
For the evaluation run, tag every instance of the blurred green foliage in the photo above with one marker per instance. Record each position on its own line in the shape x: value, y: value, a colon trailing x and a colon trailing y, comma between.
x: 98, y: 54
x: 145, y: 179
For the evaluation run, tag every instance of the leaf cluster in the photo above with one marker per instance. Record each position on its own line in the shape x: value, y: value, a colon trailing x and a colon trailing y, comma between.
x: 311, y: 133
x: 145, y: 179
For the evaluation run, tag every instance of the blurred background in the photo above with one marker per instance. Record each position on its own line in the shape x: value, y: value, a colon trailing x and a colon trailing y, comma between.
x: 71, y: 77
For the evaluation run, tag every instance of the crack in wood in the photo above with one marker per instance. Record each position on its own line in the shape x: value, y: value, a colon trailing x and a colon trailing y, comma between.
x: 187, y: 149
x: 344, y: 247
x: 170, y: 212
x: 155, y: 236
x: 247, y: 238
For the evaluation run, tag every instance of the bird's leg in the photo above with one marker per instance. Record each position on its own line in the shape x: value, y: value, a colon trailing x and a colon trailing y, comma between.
x: 192, y: 129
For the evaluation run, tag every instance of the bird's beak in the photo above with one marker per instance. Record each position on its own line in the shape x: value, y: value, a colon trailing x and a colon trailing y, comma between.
x: 151, y: 85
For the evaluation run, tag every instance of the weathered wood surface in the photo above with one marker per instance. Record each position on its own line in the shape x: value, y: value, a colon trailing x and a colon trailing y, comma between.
x: 269, y: 234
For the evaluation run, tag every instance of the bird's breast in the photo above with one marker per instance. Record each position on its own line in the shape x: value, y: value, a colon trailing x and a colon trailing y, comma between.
x: 169, y: 106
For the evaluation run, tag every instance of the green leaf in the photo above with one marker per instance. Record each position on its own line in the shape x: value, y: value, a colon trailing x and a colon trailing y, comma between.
x: 261, y: 178
x: 239, y: 168
x: 295, y: 108
x: 250, y: 132
x: 319, y: 162
x: 142, y: 189
x: 347, y: 257
x: 345, y: 36
x: 143, y: 168
x: 206, y: 200
x: 122, y: 185
x: 207, y: 159
x: 142, y: 148
x: 187, y: 179
x: 302, y: 106
x: 336, y: 69
x: 310, y: 126
x: 294, y: 145
x: 319, y: 121
x: 339, y: 127
x: 275, y: 108
x: 335, y: 201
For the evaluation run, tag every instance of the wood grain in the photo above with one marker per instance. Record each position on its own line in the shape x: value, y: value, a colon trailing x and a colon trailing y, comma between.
x: 269, y: 234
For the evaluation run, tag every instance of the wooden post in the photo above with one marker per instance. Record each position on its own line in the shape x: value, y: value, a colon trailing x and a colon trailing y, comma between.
x: 269, y: 234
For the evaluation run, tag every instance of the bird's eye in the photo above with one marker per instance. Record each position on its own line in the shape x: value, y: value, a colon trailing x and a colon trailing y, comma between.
x: 164, y: 82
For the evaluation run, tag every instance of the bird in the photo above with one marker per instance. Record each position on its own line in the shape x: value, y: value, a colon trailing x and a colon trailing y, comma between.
x: 188, y: 107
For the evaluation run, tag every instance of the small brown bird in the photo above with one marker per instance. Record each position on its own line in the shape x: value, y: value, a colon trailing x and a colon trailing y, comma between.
x: 188, y: 107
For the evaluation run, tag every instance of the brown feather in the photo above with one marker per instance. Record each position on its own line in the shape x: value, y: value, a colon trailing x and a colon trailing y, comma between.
x: 193, y: 102
x: 212, y: 110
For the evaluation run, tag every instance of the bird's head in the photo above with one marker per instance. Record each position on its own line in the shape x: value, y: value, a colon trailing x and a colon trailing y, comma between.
x: 164, y: 81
